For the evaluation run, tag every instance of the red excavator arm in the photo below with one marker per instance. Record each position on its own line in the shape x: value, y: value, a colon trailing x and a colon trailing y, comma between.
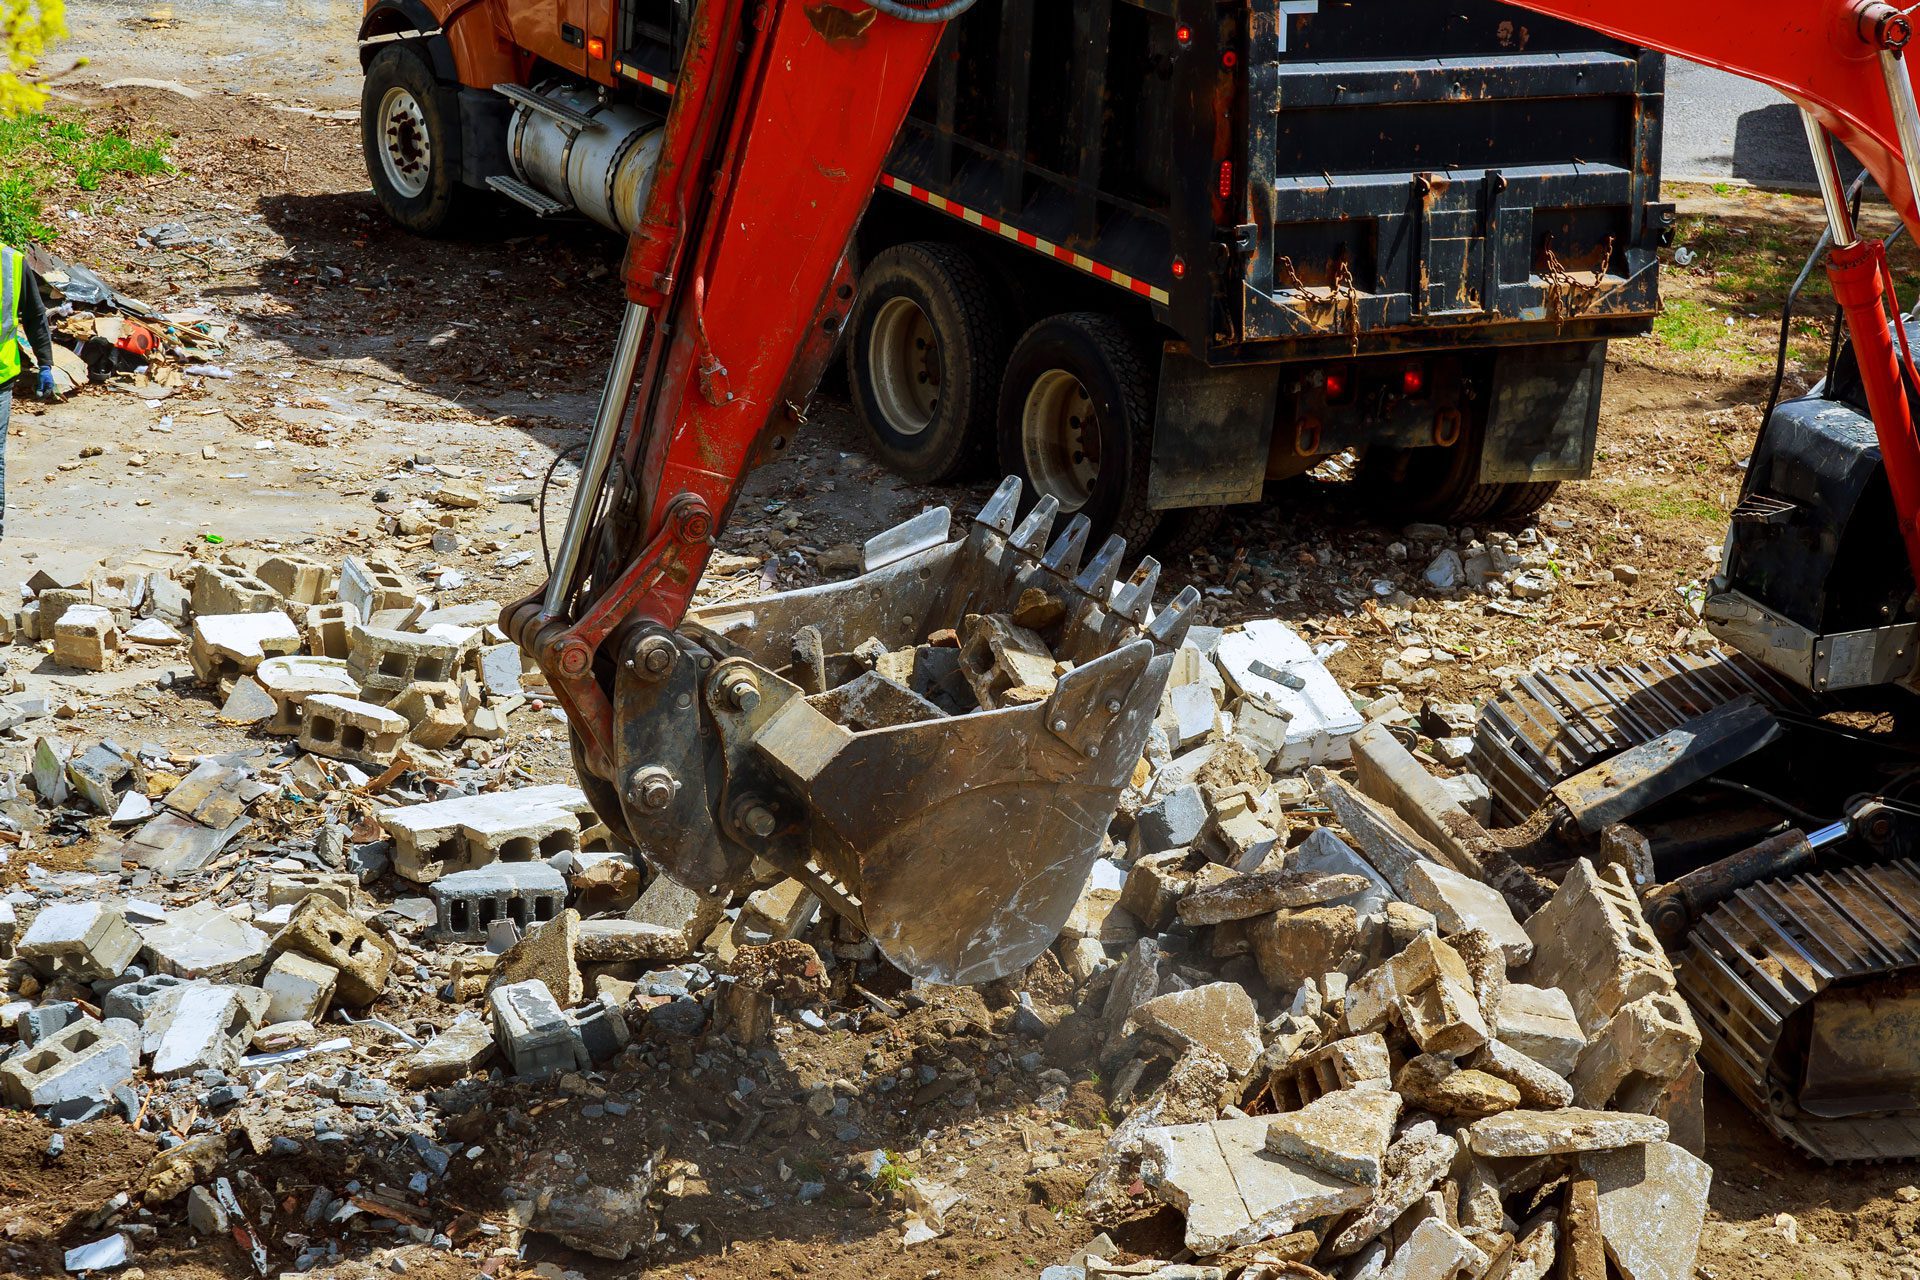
x: 1843, y: 62
x: 736, y: 286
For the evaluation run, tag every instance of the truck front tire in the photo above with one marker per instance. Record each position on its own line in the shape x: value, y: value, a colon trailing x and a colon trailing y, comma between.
x: 924, y: 354
x: 410, y: 133
x: 1076, y: 423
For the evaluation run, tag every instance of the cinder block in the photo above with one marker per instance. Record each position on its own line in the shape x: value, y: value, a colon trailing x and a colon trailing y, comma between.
x: 467, y: 903
x: 203, y: 941
x: 85, y: 941
x: 299, y: 988
x: 293, y: 678
x: 1173, y: 821
x: 321, y: 930
x: 47, y: 1020
x: 1642, y: 1049
x: 290, y: 888
x: 348, y: 729
x: 437, y: 839
x: 373, y: 586
x: 330, y: 629
x: 227, y: 646
x: 436, y: 712
x: 387, y: 662
x: 86, y: 638
x: 85, y: 1060
x: 601, y: 1030
x: 52, y: 605
x: 228, y: 589
x: 1540, y: 1022
x: 101, y: 774
x: 1592, y: 941
x: 533, y: 1031
x: 300, y: 579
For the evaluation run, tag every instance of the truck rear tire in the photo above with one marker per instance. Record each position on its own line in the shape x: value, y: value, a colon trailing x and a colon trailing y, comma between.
x: 410, y: 134
x: 1076, y: 422
x: 924, y: 354
x: 1524, y: 499
x: 1439, y: 483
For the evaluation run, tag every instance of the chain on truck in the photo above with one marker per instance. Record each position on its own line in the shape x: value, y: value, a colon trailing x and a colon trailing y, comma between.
x: 1154, y: 257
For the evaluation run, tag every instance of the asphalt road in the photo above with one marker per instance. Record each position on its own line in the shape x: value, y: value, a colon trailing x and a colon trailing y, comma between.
x: 1719, y: 126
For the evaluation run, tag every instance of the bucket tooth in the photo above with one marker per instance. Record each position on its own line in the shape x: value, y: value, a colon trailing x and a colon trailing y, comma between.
x: 1063, y: 557
x: 1097, y: 579
x: 925, y: 531
x: 1134, y: 602
x: 1031, y: 537
x: 1170, y: 627
x: 1003, y: 508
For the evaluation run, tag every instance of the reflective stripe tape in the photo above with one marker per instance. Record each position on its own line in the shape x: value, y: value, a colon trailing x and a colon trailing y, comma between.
x: 646, y: 78
x: 986, y: 222
x: 10, y: 273
x: 401, y: 35
x: 13, y: 270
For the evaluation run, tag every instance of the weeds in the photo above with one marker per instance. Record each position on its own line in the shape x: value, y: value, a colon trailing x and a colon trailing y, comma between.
x: 46, y: 156
x: 895, y: 1173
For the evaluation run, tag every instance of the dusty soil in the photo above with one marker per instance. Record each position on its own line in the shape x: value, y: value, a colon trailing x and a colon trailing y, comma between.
x: 368, y: 363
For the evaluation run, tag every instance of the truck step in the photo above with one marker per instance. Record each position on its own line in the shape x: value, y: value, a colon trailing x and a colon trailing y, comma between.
x: 520, y: 193
x: 558, y: 112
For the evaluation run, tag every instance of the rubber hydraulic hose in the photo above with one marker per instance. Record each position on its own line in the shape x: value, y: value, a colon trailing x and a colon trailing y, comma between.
x: 913, y: 13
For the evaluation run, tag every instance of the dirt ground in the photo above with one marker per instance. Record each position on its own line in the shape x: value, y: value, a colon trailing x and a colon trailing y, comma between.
x: 366, y: 363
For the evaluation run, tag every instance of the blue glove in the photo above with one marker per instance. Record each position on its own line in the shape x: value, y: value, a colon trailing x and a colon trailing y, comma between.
x: 46, y: 384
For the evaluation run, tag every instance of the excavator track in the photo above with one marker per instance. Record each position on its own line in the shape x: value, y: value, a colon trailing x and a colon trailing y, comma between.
x: 1548, y: 726
x: 1807, y: 992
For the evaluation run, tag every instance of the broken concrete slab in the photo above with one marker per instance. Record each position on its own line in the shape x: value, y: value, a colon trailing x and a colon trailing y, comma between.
x: 454, y: 1054
x: 1414, y: 1163
x: 1566, y: 1132
x: 321, y: 929
x: 1219, y: 1017
x: 1432, y: 1082
x: 546, y: 955
x: 1540, y: 1022
x: 202, y: 941
x: 1388, y: 844
x: 1268, y: 660
x: 1539, y: 1086
x: 1460, y: 903
x: 1233, y: 1191
x: 1653, y: 1204
x: 1345, y: 1133
x: 203, y: 1027
x: 225, y: 647
x: 1245, y: 896
x: 1435, y: 1251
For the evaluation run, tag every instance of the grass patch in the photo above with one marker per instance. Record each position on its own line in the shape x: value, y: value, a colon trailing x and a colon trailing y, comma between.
x: 1686, y: 325
x: 45, y: 157
x: 1665, y: 504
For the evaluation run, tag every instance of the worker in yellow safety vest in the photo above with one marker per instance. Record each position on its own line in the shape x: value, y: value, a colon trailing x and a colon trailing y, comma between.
x: 23, y: 328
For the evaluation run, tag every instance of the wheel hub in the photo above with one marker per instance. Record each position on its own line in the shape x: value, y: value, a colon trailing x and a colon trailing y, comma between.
x: 1060, y: 437
x: 406, y: 150
x: 903, y: 351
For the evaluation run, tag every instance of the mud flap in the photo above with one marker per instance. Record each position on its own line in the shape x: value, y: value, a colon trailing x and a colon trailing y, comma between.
x: 1544, y: 414
x: 1212, y: 430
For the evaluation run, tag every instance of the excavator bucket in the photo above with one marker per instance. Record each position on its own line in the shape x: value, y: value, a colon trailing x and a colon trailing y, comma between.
x: 936, y: 747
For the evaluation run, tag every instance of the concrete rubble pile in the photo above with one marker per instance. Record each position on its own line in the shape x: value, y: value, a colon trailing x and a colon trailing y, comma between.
x: 1341, y: 1047
x: 360, y: 936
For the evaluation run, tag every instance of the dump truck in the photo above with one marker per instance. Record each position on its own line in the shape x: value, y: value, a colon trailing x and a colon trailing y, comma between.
x: 1155, y: 259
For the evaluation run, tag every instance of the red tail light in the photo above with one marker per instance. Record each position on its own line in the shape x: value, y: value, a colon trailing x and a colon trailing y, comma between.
x: 1413, y: 380
x: 1226, y: 179
x: 1339, y: 382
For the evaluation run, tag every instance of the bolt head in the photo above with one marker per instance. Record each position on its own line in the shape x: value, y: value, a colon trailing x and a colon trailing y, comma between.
x: 743, y: 694
x: 759, y: 820
x: 1059, y: 726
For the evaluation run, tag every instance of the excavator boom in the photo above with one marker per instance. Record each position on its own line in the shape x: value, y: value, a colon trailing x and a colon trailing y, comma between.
x: 937, y: 774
